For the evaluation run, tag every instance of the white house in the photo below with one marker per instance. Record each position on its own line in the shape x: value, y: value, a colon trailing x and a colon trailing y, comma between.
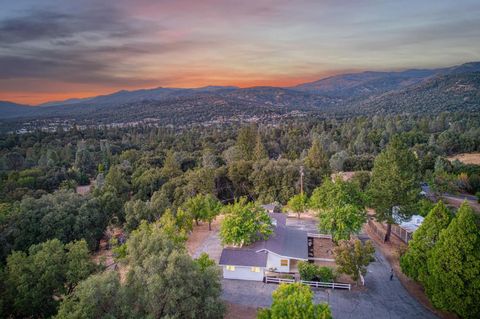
x: 278, y: 254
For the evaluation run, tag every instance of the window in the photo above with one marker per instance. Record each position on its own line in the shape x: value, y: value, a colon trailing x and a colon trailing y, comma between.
x: 231, y: 268
x: 255, y: 269
x: 283, y: 262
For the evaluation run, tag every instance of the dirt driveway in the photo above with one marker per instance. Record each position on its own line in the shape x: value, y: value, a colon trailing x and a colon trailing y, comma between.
x: 211, y: 245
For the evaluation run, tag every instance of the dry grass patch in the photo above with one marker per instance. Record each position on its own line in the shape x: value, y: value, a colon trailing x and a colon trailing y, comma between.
x: 467, y: 158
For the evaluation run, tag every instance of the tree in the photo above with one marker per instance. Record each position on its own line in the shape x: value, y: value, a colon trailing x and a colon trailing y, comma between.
x: 336, y: 193
x: 117, y: 180
x: 246, y: 138
x: 195, y: 207
x: 394, y: 183
x: 259, y: 152
x: 294, y: 301
x: 171, y: 166
x: 146, y: 182
x: 209, y: 160
x: 164, y: 281
x: 414, y: 261
x: 342, y: 222
x: 340, y: 207
x: 37, y: 280
x: 454, y: 266
x: 204, y: 261
x: 99, y: 296
x: 316, y: 157
x: 14, y: 161
x: 63, y: 215
x: 244, y: 223
x: 353, y: 257
x: 83, y: 159
x: 211, y: 208
x: 337, y: 161
x: 78, y: 264
x: 298, y: 203
x: 317, y: 160
x: 136, y: 211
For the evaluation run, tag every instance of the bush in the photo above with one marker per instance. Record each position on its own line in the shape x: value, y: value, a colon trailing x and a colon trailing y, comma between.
x: 308, y: 271
x: 311, y: 272
x: 325, y: 274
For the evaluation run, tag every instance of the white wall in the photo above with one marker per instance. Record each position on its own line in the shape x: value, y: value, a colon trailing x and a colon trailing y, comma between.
x: 273, y: 261
x: 243, y: 273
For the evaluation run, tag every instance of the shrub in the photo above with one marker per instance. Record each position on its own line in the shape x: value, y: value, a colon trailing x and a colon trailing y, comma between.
x: 311, y: 272
x: 325, y: 274
x: 308, y: 271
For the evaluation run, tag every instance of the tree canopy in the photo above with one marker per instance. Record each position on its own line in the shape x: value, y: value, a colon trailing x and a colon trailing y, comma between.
x: 340, y: 207
x: 294, y: 301
x: 298, y: 203
x: 394, y: 183
x: 353, y: 257
x: 453, y: 283
x: 244, y: 223
x: 163, y: 281
x: 37, y: 280
x: 414, y: 261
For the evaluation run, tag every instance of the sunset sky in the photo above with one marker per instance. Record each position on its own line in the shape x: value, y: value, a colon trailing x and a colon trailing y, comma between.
x: 57, y: 49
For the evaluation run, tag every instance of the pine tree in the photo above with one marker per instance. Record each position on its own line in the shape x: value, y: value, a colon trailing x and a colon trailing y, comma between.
x: 316, y: 157
x: 394, y: 183
x: 414, y: 262
x: 259, y: 152
x: 454, y: 266
x: 246, y: 141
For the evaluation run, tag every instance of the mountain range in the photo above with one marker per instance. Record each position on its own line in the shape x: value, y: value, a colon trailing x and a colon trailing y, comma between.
x: 412, y: 91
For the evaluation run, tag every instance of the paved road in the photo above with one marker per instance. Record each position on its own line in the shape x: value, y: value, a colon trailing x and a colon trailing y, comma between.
x: 382, y: 299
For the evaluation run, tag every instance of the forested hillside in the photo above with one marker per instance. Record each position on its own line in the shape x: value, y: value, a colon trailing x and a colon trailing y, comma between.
x: 408, y: 92
x: 147, y: 174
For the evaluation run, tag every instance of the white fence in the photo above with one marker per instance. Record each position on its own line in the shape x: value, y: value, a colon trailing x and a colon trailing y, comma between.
x: 277, y: 280
x: 319, y: 236
x: 316, y: 284
x: 332, y: 285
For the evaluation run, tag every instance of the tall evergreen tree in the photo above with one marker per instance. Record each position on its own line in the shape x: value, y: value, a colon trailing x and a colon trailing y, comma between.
x: 395, y: 184
x: 414, y: 262
x: 259, y: 152
x: 454, y: 266
x: 317, y: 162
x: 246, y: 139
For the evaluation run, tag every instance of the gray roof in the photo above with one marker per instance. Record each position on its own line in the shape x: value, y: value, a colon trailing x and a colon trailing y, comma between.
x: 285, y: 241
x: 243, y: 257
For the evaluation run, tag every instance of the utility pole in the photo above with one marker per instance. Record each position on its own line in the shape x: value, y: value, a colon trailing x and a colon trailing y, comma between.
x: 301, y: 180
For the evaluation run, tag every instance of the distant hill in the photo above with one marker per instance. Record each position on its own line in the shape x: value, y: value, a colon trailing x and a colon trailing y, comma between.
x: 450, y: 92
x: 412, y: 91
x: 125, y: 96
x: 374, y: 83
x: 364, y: 84
x: 10, y: 109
